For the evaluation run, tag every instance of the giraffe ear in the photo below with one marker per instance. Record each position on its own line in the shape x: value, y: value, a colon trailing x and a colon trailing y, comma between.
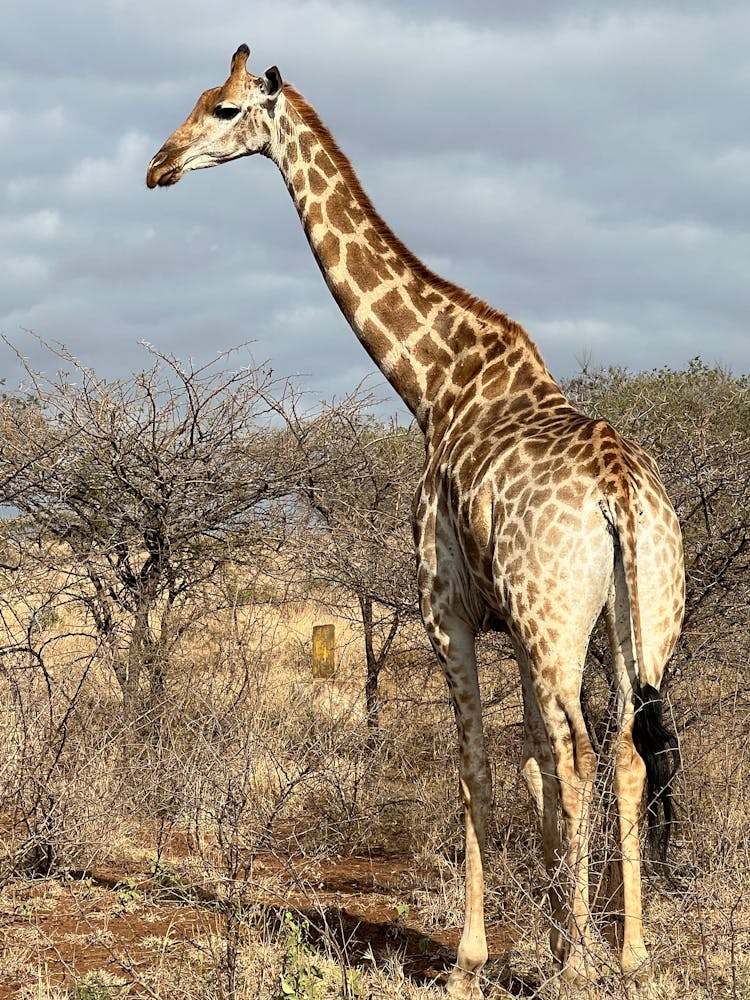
x: 272, y: 82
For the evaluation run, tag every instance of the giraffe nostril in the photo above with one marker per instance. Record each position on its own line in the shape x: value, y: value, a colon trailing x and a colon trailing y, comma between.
x: 159, y: 158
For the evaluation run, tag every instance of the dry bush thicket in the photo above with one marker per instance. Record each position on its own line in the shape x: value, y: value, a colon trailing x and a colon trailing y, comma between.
x: 171, y: 541
x: 354, y: 528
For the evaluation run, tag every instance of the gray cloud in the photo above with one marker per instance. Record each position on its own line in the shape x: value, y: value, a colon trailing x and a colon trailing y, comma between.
x: 583, y: 166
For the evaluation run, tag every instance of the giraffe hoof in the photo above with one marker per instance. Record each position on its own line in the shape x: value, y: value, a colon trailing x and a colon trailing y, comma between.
x: 579, y: 972
x: 635, y: 965
x: 463, y: 985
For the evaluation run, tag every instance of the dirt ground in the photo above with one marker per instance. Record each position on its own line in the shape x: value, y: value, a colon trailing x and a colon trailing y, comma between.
x: 113, y: 924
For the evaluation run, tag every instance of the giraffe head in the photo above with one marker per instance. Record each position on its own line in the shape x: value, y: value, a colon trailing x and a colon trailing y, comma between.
x: 227, y: 122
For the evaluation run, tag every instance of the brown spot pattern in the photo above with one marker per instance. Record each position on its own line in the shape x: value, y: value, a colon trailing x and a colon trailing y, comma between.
x: 325, y: 163
x: 329, y: 250
x: 307, y: 143
x: 317, y: 182
x: 365, y: 267
x: 520, y: 499
x: 394, y: 314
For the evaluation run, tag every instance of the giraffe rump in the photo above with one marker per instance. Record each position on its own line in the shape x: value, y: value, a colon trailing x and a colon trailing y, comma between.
x: 657, y: 746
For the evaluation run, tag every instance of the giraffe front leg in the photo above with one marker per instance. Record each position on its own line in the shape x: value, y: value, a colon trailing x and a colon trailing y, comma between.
x: 463, y: 982
x: 455, y: 649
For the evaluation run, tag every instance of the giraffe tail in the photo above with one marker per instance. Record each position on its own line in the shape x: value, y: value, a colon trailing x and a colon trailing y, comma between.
x: 655, y: 743
x: 658, y: 747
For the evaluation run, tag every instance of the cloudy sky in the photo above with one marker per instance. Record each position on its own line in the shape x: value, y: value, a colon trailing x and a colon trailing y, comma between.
x: 583, y: 166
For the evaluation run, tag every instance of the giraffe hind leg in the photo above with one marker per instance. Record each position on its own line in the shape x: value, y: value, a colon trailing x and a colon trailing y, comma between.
x: 644, y: 755
x: 629, y: 778
x: 575, y: 764
x: 560, y: 752
x: 538, y: 770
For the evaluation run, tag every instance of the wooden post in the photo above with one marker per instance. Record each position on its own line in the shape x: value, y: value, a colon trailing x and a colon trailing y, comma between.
x: 324, y: 650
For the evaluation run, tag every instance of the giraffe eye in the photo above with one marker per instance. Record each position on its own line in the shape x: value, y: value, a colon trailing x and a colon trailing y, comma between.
x: 226, y: 112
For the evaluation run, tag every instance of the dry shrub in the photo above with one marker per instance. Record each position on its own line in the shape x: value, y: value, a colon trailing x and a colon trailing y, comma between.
x: 251, y: 759
x: 59, y: 793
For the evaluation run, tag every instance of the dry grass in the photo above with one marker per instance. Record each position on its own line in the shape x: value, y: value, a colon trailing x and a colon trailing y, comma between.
x: 261, y: 839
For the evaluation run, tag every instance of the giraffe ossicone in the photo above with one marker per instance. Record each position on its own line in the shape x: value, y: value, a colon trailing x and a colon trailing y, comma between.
x: 528, y: 513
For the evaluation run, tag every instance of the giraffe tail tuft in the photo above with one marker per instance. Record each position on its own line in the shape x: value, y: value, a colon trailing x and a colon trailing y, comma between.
x: 658, y: 747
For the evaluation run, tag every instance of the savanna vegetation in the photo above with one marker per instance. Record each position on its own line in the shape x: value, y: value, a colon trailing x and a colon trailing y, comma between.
x: 186, y: 813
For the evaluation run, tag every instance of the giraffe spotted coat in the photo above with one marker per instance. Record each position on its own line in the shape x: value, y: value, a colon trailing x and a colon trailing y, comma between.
x: 529, y: 516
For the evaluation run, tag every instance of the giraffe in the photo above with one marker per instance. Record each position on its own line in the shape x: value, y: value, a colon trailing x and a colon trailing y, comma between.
x: 530, y: 517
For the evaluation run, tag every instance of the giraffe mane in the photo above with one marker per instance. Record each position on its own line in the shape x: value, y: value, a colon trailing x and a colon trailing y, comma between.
x: 457, y: 295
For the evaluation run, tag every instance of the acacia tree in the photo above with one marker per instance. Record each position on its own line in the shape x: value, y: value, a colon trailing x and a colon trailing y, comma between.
x: 355, y: 499
x: 144, y: 490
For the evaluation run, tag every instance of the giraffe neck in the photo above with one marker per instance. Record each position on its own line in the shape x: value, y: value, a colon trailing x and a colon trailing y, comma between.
x: 429, y: 337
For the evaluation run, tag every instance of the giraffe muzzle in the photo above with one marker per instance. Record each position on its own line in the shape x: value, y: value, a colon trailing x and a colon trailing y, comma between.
x: 161, y: 172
